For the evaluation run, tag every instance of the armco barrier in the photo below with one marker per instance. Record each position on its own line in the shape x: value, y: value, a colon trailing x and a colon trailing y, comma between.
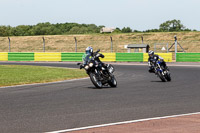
x: 109, y: 57
x: 47, y: 57
x: 132, y: 57
x: 71, y: 56
x: 187, y: 57
x: 3, y: 56
x: 122, y: 57
x: 20, y: 56
x: 167, y: 56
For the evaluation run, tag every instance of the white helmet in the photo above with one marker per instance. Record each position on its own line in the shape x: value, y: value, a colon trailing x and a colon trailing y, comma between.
x: 151, y: 52
x: 89, y: 50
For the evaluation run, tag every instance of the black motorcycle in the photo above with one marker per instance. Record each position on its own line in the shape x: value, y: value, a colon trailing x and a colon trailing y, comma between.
x: 100, y: 74
x: 163, y: 74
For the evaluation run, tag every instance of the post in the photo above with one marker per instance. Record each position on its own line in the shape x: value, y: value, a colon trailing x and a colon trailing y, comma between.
x: 167, y: 48
x: 142, y: 39
x: 111, y: 44
x: 43, y: 44
x: 175, y: 46
x: 75, y: 44
x: 9, y: 44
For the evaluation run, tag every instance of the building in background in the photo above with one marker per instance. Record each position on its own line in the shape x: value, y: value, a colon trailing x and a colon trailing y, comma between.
x: 107, y: 30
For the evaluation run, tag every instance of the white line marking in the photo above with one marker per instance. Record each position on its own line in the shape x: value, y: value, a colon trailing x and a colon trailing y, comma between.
x: 44, y: 83
x: 125, y: 122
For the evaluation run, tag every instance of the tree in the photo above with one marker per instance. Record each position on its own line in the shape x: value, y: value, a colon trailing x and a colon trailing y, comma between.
x: 172, y: 25
x: 74, y: 30
x: 117, y: 30
x: 126, y: 30
x: 5, y: 30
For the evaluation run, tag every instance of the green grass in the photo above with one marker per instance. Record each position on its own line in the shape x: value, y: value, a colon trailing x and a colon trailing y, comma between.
x: 18, y: 74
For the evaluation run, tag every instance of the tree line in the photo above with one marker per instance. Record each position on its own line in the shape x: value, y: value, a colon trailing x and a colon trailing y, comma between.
x: 75, y: 28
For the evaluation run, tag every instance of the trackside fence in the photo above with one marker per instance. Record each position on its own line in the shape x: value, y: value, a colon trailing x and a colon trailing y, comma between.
x: 167, y: 56
x: 71, y: 56
x: 110, y: 57
x: 20, y: 56
x: 187, y: 57
x: 129, y: 57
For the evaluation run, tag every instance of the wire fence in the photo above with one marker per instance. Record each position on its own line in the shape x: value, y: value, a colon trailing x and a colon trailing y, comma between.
x: 78, y: 43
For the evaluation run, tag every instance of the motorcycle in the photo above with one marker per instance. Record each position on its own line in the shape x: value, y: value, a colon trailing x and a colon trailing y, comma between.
x: 100, y: 74
x: 163, y: 74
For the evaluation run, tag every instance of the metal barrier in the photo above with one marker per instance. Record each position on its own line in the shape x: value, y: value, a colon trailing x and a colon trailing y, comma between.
x: 71, y: 56
x: 47, y: 57
x: 188, y: 57
x: 121, y: 57
x: 4, y: 56
x: 167, y: 56
x: 20, y: 56
x: 129, y: 57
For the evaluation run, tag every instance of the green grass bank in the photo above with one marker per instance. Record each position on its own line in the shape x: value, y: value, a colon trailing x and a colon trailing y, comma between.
x: 18, y: 75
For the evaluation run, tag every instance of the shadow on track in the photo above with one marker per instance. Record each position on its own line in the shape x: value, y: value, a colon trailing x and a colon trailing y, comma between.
x: 106, y: 87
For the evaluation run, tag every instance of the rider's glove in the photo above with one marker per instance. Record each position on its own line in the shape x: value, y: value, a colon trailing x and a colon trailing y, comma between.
x: 102, y: 56
x: 81, y: 66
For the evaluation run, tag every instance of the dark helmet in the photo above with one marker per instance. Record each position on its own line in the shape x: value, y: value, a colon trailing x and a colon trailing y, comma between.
x: 151, y: 53
x: 89, y: 50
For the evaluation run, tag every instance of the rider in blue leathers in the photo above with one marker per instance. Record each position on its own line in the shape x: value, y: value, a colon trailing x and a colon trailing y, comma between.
x: 153, y: 58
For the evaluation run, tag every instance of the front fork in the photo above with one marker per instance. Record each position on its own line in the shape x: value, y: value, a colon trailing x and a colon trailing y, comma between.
x: 162, y: 72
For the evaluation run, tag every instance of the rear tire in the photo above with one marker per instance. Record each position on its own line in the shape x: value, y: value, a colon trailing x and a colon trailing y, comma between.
x: 95, y: 80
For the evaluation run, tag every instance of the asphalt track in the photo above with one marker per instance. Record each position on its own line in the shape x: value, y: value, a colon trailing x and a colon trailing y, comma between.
x: 73, y: 104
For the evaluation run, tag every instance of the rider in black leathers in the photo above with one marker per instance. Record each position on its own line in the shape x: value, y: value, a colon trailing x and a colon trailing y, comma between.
x: 153, y: 58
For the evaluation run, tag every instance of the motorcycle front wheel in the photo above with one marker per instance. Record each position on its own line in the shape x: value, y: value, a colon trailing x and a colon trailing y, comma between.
x: 168, y: 76
x: 95, y: 81
x: 113, y: 82
x: 161, y: 76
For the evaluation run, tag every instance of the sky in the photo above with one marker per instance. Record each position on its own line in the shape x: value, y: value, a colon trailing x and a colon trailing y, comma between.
x: 136, y: 14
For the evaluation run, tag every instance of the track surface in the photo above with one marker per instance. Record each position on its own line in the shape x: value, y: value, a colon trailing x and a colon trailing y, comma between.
x: 50, y: 107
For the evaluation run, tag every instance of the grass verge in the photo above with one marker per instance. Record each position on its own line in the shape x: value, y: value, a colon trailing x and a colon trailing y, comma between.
x: 19, y: 74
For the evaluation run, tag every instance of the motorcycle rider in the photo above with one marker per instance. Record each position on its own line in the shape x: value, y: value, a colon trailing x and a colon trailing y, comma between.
x: 153, y: 58
x: 89, y: 54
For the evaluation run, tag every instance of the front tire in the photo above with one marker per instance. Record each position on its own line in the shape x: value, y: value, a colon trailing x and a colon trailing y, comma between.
x: 161, y: 76
x: 95, y: 80
x: 113, y: 82
x: 168, y: 76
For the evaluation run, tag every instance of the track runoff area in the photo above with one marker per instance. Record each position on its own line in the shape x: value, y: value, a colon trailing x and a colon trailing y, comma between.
x: 152, y: 105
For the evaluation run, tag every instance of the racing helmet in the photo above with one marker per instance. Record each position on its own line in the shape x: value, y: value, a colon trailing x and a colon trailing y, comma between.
x: 151, y: 53
x: 89, y: 50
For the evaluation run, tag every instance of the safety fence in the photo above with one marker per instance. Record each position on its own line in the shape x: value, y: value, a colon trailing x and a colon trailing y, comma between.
x: 110, y: 57
x: 129, y: 57
x: 187, y: 57
x: 167, y: 56
x: 20, y: 56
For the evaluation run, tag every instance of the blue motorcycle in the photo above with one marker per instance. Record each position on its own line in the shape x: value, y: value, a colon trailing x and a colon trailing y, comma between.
x: 163, y: 74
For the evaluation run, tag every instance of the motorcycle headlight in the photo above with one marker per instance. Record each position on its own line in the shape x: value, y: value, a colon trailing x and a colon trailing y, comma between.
x: 91, y: 64
x: 86, y: 67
